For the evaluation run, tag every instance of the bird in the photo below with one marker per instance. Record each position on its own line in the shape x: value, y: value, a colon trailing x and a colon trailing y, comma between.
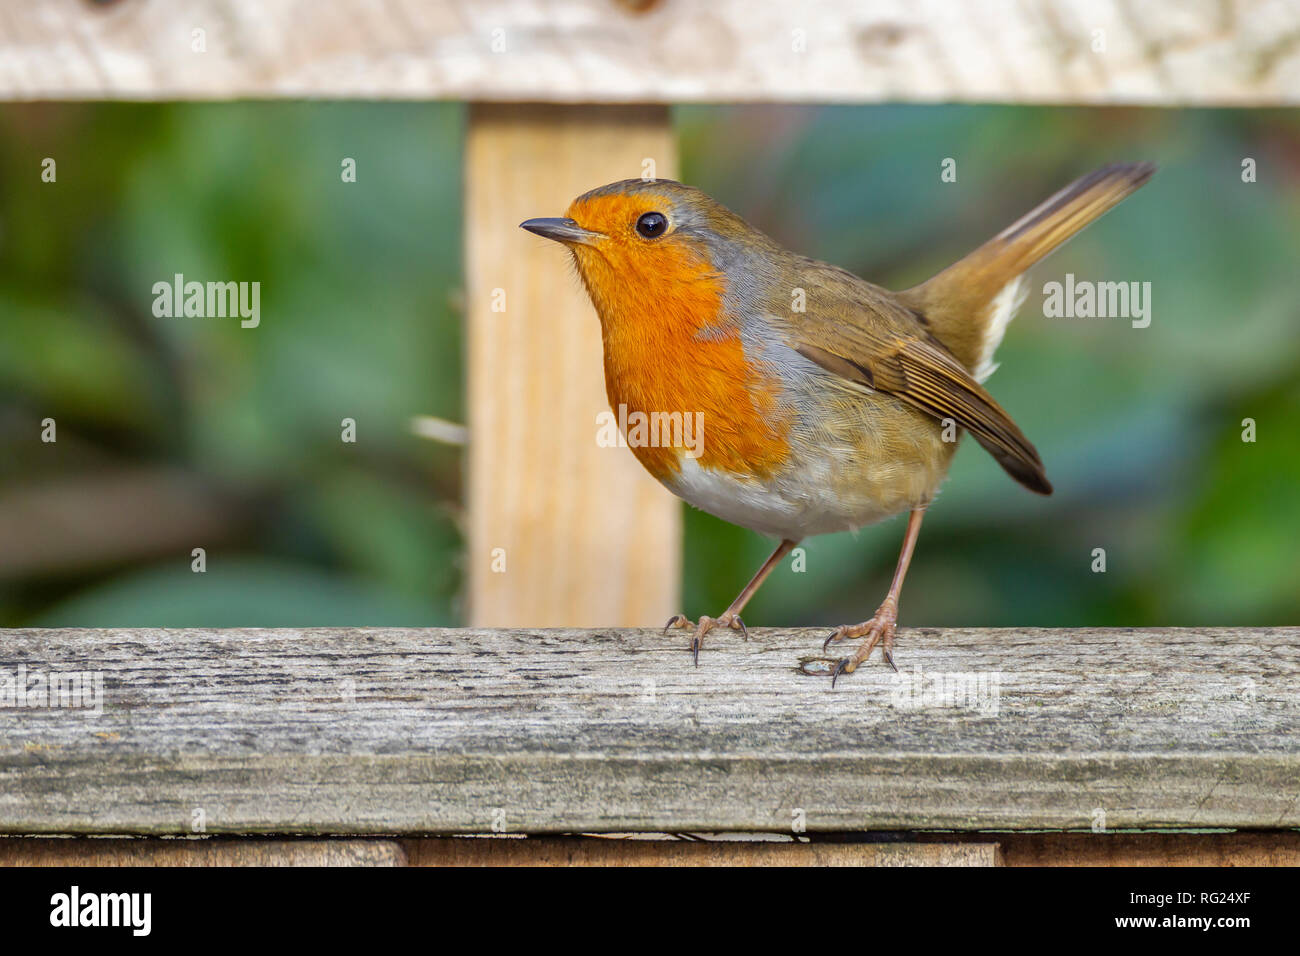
x: 825, y: 402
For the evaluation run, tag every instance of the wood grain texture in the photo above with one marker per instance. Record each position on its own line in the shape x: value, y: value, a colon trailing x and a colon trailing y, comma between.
x: 588, y: 851
x: 392, y: 731
x: 474, y: 851
x: 1150, y: 849
x: 36, y: 851
x: 586, y: 536
x: 1156, y: 51
x: 1247, y: 848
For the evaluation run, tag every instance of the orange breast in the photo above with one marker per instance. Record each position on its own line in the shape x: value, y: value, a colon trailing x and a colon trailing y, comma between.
x: 668, y: 351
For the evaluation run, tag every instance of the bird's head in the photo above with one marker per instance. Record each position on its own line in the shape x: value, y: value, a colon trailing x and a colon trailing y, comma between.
x: 634, y: 240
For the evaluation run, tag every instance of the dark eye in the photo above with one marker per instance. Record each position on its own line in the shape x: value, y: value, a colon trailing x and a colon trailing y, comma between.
x: 652, y: 225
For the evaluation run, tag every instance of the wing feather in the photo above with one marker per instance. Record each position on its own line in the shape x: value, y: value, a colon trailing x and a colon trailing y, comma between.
x: 886, y: 347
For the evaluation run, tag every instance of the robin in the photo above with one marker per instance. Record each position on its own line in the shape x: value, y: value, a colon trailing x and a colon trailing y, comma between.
x: 826, y: 403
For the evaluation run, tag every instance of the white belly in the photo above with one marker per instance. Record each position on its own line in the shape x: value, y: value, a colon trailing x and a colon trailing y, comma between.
x: 793, y: 507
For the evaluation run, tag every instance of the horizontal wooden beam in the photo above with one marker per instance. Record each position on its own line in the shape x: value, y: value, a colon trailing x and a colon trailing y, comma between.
x: 379, y: 731
x: 27, y: 851
x: 1275, y: 848
x: 469, y: 851
x: 1037, y: 849
x: 1242, y: 52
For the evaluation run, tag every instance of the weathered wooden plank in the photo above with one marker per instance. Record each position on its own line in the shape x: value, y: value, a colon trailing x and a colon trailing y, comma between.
x: 444, y: 731
x: 1248, y: 848
x: 562, y: 531
x: 1150, y: 849
x: 84, y: 851
x: 475, y: 851
x: 588, y: 851
x: 1158, y: 51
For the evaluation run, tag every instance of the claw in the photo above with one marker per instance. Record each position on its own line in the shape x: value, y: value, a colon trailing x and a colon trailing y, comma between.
x: 878, y: 631
x: 706, y: 624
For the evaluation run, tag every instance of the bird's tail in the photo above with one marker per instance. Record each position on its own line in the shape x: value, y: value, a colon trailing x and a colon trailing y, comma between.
x: 969, y: 304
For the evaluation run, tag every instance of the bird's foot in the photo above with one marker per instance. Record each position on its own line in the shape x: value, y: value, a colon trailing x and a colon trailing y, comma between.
x: 728, y: 619
x: 879, y: 630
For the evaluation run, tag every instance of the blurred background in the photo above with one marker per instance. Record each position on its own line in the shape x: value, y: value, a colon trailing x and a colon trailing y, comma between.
x: 175, y: 434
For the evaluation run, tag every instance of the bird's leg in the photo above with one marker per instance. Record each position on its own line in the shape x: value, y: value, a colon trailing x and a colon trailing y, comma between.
x: 880, y: 629
x: 731, y: 616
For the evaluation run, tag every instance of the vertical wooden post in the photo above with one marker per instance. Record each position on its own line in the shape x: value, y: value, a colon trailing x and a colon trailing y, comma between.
x: 586, y: 536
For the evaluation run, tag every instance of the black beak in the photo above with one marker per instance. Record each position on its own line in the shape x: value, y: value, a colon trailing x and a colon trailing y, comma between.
x: 561, y: 230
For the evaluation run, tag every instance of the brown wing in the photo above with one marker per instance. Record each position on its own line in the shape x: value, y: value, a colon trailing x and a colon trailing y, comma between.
x: 861, y: 333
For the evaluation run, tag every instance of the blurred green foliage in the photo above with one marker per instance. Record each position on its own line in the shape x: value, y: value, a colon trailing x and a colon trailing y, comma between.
x: 1140, y: 428
x: 357, y: 322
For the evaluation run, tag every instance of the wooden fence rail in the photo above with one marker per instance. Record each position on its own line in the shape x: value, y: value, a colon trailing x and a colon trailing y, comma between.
x: 1241, y: 52
x: 392, y: 731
